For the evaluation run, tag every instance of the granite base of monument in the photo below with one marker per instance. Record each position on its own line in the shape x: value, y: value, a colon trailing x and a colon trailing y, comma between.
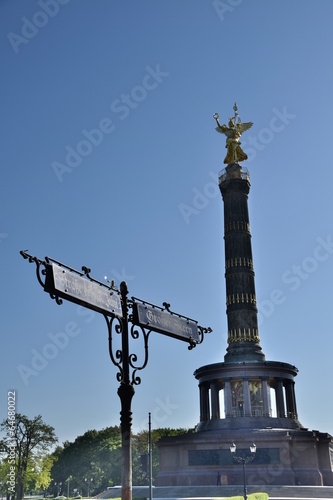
x: 283, y: 457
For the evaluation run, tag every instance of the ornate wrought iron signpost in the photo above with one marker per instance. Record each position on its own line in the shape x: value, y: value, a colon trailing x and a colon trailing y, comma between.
x: 64, y: 282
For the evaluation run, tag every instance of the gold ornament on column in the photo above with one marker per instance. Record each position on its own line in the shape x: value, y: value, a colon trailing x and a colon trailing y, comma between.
x: 233, y: 132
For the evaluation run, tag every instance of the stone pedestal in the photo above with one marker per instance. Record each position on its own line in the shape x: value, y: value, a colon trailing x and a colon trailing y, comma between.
x: 283, y: 457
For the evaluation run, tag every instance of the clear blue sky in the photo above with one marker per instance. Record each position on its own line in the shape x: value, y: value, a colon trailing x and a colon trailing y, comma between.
x: 138, y: 200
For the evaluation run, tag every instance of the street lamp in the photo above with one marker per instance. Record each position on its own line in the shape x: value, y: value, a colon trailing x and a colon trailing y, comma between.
x: 243, y: 458
x: 88, y: 485
x: 68, y: 480
x: 58, y: 487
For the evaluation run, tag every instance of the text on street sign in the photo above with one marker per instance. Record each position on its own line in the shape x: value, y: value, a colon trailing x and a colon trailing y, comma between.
x: 165, y: 322
x: 75, y: 288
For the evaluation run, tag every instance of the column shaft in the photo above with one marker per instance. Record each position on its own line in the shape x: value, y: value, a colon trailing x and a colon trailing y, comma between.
x: 280, y: 408
x: 294, y: 399
x: 291, y: 400
x: 265, y: 398
x: 215, y: 403
x: 247, y: 399
x: 204, y: 402
x: 243, y: 335
x: 227, y: 399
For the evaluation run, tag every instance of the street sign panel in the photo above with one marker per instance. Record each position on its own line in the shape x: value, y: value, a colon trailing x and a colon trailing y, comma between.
x: 165, y: 322
x: 76, y: 288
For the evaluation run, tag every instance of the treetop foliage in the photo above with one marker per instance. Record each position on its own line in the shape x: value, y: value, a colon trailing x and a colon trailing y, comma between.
x: 24, y: 449
x: 86, y: 466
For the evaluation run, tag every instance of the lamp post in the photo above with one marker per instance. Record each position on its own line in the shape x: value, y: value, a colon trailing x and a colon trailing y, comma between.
x: 88, y: 485
x: 243, y: 458
x: 68, y: 480
x: 58, y: 485
x: 150, y: 455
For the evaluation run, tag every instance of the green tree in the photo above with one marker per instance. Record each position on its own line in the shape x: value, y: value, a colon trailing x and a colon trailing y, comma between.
x: 38, y: 476
x: 93, y: 461
x: 4, y: 475
x: 140, y: 448
x: 25, y: 448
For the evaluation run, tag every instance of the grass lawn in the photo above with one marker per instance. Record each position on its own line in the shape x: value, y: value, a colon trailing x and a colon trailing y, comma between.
x: 252, y: 496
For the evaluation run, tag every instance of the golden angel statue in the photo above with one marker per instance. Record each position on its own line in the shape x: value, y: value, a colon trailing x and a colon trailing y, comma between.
x: 233, y: 133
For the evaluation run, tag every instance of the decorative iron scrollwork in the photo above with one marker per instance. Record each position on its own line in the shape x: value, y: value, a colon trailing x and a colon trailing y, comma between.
x: 133, y: 358
x: 117, y: 319
x: 41, y: 270
x: 117, y: 357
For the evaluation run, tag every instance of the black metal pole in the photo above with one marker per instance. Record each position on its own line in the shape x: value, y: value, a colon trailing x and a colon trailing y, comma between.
x: 150, y: 452
x: 125, y: 393
x: 244, y: 478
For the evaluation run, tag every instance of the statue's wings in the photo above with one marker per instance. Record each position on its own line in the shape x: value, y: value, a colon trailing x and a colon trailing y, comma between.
x: 222, y: 129
x: 241, y: 127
